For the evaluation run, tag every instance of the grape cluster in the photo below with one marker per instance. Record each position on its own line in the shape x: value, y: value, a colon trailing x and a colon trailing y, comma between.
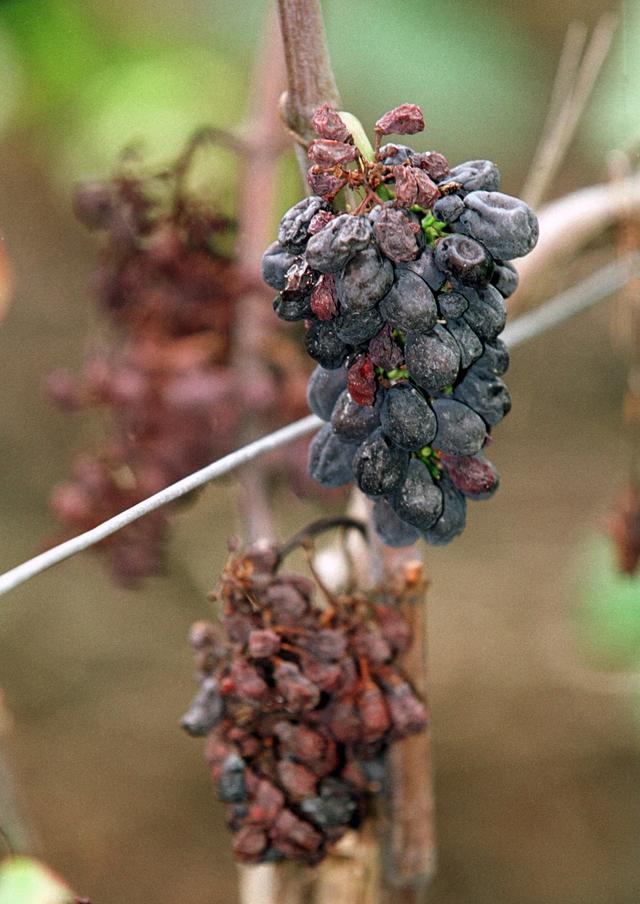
x: 299, y: 704
x: 166, y: 380
x: 403, y: 297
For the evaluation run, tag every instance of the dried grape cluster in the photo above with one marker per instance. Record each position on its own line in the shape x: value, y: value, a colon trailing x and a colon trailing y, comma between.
x: 403, y: 296
x: 299, y: 703
x: 165, y: 377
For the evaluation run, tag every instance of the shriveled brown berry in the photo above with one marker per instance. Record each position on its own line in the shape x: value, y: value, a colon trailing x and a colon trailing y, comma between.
x: 298, y: 781
x: 325, y: 152
x: 324, y: 301
x: 407, y: 119
x: 361, y: 381
x: 396, y: 235
x: 434, y: 164
x: 249, y: 843
x: 328, y: 124
x: 263, y: 644
x: 297, y: 691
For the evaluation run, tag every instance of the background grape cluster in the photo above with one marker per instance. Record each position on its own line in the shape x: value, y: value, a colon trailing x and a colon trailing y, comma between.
x: 403, y: 297
x: 299, y: 704
x: 164, y: 375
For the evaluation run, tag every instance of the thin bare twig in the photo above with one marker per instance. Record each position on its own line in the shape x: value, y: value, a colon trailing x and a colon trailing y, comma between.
x: 568, y: 224
x: 575, y: 79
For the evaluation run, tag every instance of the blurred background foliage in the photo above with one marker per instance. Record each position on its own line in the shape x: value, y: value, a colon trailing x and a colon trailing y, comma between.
x: 82, y: 79
x: 90, y: 75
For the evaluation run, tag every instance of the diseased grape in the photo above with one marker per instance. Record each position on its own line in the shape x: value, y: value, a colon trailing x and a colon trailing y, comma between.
x: 324, y: 345
x: 452, y: 304
x: 506, y: 226
x: 323, y: 389
x: 486, y: 394
x: 425, y: 267
x: 331, y: 459
x: 275, y: 263
x: 418, y: 501
x: 365, y: 280
x: 379, y: 466
x: 353, y: 422
x: 448, y: 208
x: 294, y: 225
x: 467, y: 261
x: 407, y: 418
x: 469, y: 344
x: 433, y: 358
x: 409, y: 305
x: 460, y: 430
x: 391, y: 529
x: 505, y: 278
x: 476, y: 174
x: 354, y: 327
x: 487, y: 313
x: 453, y: 518
x: 330, y: 249
x: 417, y: 278
x: 473, y: 475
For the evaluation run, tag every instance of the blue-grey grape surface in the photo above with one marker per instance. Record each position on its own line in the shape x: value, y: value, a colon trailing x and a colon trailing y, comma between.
x: 403, y: 299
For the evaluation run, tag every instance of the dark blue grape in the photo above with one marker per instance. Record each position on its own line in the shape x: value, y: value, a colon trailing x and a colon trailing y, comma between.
x: 391, y: 529
x: 206, y: 710
x: 474, y: 175
x: 331, y: 459
x: 294, y: 225
x: 418, y: 501
x: 323, y: 389
x: 275, y: 263
x: 394, y: 154
x: 433, y: 358
x: 452, y: 304
x: 505, y: 278
x: 425, y: 267
x: 324, y: 345
x: 494, y: 359
x: 379, y: 466
x: 452, y: 520
x: 460, y: 430
x: 506, y: 226
x: 231, y: 784
x: 487, y: 313
x: 365, y: 280
x: 466, y: 260
x: 292, y: 307
x: 409, y: 305
x: 329, y: 250
x: 486, y: 394
x: 406, y: 417
x: 354, y: 328
x: 353, y: 422
x: 469, y: 344
x: 448, y: 208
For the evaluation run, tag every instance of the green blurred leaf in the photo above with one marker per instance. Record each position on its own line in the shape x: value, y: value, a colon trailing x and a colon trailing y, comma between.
x: 26, y: 881
x: 58, y: 43
x: 609, y: 610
